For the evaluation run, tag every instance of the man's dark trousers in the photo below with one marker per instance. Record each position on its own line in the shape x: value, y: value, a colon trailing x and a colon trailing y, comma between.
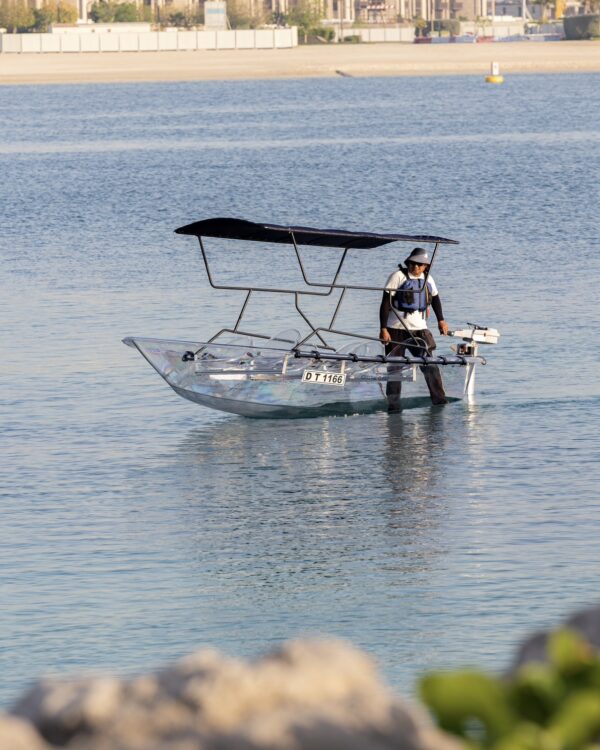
x: 403, y: 340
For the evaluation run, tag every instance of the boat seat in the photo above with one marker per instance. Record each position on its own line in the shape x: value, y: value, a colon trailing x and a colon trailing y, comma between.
x: 230, y: 350
x: 284, y: 339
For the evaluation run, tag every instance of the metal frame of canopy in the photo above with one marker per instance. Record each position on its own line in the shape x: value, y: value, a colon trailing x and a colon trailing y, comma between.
x: 239, y: 229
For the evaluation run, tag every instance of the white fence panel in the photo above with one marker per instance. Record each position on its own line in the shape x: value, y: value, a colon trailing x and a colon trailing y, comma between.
x: 148, y: 41
x: 10, y: 42
x: 225, y: 39
x: 167, y: 41
x: 245, y: 39
x: 264, y: 38
x: 387, y: 34
x: 207, y: 39
x: 90, y: 43
x: 31, y: 43
x: 187, y: 40
x: 283, y: 38
x: 49, y: 43
x: 109, y: 42
x: 151, y: 41
x: 129, y: 42
x: 70, y: 43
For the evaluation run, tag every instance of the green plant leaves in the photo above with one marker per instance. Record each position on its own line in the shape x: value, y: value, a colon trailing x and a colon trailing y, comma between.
x: 469, y: 703
x: 553, y: 705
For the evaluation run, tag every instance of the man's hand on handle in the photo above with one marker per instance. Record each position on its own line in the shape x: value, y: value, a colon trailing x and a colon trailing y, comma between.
x: 443, y: 327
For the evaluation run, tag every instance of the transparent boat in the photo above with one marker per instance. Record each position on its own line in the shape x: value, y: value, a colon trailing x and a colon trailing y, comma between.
x: 288, y: 374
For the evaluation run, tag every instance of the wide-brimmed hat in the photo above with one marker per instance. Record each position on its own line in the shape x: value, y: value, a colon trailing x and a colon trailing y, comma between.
x: 419, y: 255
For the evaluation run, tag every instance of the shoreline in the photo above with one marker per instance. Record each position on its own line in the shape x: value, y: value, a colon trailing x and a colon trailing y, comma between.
x: 314, y: 61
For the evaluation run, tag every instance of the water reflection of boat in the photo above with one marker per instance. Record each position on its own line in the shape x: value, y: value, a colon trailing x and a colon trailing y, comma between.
x: 326, y: 370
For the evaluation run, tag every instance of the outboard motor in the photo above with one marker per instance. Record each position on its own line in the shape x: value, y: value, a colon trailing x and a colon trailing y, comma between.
x: 471, y: 338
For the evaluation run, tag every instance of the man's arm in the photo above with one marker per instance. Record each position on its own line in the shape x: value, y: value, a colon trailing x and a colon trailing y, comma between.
x: 384, y: 311
x: 436, y: 305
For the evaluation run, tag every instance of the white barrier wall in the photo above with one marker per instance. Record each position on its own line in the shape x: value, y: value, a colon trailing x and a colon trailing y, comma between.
x: 391, y: 34
x: 496, y: 29
x: 151, y: 41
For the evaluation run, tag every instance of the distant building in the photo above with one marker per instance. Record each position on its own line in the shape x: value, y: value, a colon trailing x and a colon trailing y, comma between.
x: 215, y: 14
x: 370, y: 12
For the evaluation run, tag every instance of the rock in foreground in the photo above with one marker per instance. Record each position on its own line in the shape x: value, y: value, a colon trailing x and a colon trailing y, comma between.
x: 309, y: 695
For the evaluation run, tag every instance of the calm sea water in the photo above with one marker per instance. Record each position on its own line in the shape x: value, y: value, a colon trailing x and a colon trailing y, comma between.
x: 137, y: 527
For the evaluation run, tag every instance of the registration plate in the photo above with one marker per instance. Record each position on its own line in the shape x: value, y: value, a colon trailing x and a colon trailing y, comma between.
x: 324, y: 378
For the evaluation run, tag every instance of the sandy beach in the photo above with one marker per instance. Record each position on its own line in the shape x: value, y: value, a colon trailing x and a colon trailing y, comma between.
x: 301, y: 62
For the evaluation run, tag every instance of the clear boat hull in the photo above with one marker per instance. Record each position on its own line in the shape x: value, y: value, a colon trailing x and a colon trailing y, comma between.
x: 266, y: 381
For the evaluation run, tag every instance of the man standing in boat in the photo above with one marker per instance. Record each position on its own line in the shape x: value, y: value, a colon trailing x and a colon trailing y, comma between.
x: 409, y: 292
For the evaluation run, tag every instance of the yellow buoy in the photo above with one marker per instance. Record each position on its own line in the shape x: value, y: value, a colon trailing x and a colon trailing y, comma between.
x: 494, y: 76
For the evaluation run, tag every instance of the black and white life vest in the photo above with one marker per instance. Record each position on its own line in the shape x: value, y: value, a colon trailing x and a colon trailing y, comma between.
x: 411, y: 296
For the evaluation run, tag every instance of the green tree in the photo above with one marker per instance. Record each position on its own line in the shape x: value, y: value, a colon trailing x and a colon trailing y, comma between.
x: 420, y: 26
x: 15, y: 16
x: 186, y: 19
x: 107, y: 11
x: 179, y: 18
x: 126, y: 13
x: 42, y: 18
x: 240, y: 16
x: 53, y: 12
x: 306, y: 15
x: 102, y: 12
x: 482, y: 23
x: 66, y: 13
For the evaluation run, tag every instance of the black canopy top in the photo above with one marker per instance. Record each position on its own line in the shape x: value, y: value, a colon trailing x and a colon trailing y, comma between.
x: 239, y: 229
